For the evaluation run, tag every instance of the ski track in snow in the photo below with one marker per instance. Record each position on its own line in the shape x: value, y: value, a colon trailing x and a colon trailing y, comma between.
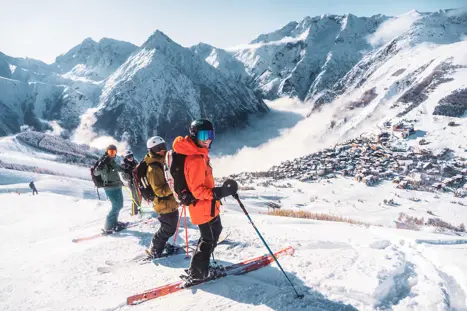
x: 337, y: 266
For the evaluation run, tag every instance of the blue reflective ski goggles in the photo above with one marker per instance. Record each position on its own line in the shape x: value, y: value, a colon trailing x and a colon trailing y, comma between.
x: 205, y: 135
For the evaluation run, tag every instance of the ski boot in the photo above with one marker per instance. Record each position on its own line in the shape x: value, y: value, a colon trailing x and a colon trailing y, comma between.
x: 213, y: 273
x: 107, y: 231
x: 152, y: 254
x: 171, y: 249
x: 120, y: 226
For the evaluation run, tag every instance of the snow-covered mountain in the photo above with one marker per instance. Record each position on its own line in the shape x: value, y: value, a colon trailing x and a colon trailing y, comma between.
x: 223, y: 61
x: 304, y: 58
x: 94, y: 60
x: 427, y: 33
x: 173, y: 87
x: 416, y: 75
x: 33, y: 93
x: 162, y: 87
x: 135, y: 92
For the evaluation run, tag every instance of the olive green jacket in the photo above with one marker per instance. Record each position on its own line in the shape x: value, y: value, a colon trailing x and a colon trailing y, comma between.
x: 164, y: 202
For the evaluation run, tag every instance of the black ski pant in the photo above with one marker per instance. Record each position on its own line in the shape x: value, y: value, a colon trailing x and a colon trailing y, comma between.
x: 34, y: 191
x: 210, y: 232
x: 168, y: 227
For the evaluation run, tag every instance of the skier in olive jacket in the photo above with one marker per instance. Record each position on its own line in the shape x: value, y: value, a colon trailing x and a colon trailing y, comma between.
x: 108, y: 170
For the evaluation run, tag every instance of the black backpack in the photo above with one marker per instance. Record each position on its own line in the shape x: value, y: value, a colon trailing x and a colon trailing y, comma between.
x: 141, y: 181
x: 174, y: 169
x: 97, y: 180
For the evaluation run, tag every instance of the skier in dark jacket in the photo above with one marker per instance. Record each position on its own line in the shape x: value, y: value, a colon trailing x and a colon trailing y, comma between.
x: 33, y: 187
x: 108, y: 169
x: 128, y: 164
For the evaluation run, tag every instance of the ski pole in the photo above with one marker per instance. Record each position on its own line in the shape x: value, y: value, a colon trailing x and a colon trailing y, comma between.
x: 264, y: 242
x: 186, y: 233
x: 131, y: 196
x: 178, y: 226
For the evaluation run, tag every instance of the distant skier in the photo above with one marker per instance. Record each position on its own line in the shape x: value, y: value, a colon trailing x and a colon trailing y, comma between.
x: 33, y: 187
x: 204, y: 209
x: 108, y: 170
x: 128, y: 164
x: 164, y: 202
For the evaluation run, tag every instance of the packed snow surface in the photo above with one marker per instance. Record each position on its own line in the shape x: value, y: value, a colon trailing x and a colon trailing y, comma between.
x: 337, y: 266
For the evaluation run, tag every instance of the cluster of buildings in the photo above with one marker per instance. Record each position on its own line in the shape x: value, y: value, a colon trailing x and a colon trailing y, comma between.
x: 370, y: 160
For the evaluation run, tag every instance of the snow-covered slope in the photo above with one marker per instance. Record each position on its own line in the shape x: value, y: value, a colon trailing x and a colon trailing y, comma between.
x: 35, y: 104
x: 301, y: 59
x: 418, y: 76
x: 223, y: 61
x: 162, y: 87
x: 337, y: 266
x: 34, y: 94
x: 427, y: 32
x: 94, y: 60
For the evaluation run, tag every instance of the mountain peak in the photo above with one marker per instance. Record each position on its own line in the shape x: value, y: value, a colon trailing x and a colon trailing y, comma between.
x: 276, y: 35
x: 94, y: 60
x: 158, y: 39
x: 204, y: 46
x: 203, y: 49
x: 87, y: 41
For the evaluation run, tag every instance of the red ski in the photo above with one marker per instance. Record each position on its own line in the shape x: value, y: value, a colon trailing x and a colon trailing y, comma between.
x: 98, y: 235
x: 235, y: 269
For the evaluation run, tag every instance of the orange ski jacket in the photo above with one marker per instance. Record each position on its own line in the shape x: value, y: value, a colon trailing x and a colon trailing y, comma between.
x: 198, y: 175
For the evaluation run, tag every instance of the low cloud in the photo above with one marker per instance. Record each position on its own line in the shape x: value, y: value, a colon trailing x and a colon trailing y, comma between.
x: 85, y: 134
x: 56, y: 129
x: 308, y: 135
x: 393, y: 28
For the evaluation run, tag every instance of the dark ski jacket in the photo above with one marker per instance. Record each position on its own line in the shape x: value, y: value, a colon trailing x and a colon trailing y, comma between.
x: 109, y: 173
x: 128, y: 167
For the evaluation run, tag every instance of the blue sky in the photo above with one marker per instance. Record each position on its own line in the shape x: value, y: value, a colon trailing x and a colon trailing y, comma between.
x: 44, y: 29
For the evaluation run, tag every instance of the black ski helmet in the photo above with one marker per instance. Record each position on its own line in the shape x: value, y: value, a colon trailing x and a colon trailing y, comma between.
x: 199, y: 125
x: 111, y: 147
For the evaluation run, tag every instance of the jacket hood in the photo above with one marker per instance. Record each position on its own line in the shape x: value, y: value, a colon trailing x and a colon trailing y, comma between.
x: 185, y: 145
x: 150, y: 158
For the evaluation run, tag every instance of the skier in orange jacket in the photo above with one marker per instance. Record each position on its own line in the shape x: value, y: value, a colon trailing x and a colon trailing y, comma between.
x: 204, y: 211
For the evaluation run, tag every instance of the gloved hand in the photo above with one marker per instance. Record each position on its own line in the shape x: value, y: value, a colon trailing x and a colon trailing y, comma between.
x: 229, y: 187
x: 218, y: 193
x: 104, y: 161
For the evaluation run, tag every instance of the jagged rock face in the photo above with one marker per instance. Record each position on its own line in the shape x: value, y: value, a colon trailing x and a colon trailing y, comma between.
x: 95, y: 60
x: 16, y: 99
x: 162, y: 87
x: 5, y: 69
x: 303, y: 59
